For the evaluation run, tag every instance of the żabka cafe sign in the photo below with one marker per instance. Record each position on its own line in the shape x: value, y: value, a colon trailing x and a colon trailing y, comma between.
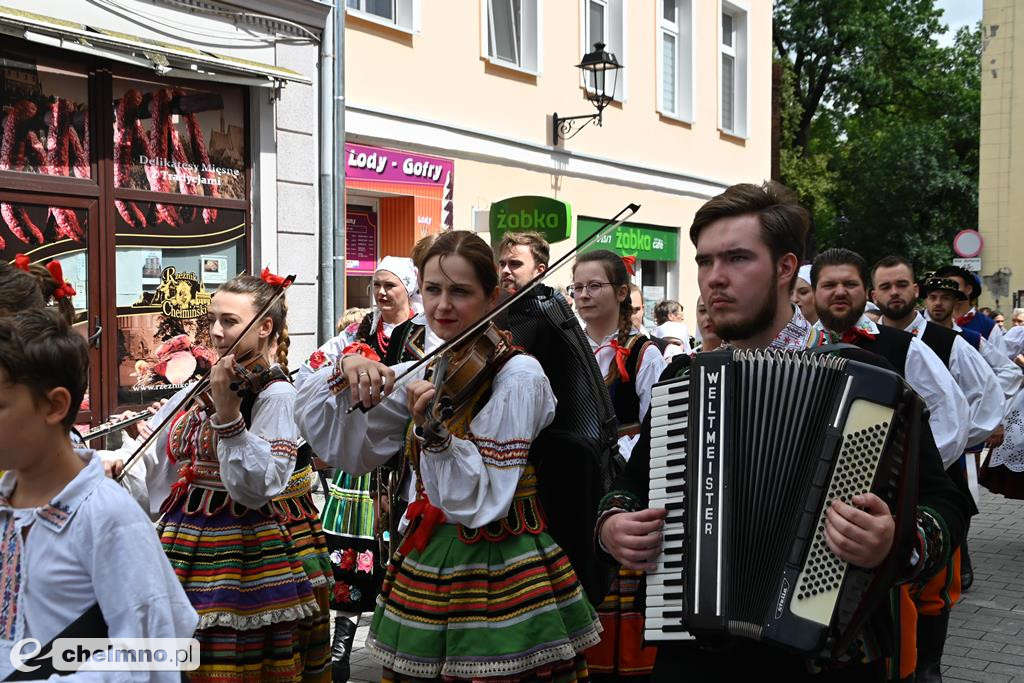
x: 549, y: 217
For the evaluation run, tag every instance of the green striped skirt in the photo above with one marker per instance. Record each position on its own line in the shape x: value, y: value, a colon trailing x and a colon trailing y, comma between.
x: 491, y: 608
x: 348, y: 510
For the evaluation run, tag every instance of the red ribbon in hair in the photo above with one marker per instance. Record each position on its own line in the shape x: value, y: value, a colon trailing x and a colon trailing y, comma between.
x: 364, y: 350
x: 21, y: 262
x: 630, y: 263
x: 63, y: 288
x: 273, y: 279
x: 423, y: 519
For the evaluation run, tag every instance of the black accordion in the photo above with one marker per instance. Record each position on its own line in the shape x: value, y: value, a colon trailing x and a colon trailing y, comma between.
x: 747, y: 449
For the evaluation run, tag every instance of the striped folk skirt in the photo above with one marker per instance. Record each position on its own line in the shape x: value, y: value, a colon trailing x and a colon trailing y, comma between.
x: 508, y: 610
x: 621, y: 651
x: 259, y: 615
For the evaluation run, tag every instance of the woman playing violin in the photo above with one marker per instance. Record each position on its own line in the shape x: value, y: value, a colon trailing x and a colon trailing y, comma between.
x: 238, y: 525
x: 478, y: 588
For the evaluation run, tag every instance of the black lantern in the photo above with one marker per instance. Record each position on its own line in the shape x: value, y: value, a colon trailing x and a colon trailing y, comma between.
x: 601, y: 73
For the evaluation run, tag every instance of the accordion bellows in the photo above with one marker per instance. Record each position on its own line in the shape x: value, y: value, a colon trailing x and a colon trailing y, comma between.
x: 747, y: 450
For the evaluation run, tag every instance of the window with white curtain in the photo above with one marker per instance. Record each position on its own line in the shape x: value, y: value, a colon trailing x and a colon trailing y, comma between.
x: 732, y: 75
x: 403, y: 14
x: 604, y: 21
x: 675, y: 58
x: 512, y: 30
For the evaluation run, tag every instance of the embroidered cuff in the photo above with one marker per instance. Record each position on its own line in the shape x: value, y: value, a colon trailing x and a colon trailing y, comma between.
x: 932, y: 545
x: 233, y: 428
x: 338, y: 382
x: 613, y: 503
x: 433, y: 445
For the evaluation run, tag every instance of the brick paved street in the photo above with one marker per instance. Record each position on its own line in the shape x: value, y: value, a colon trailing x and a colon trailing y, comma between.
x: 986, y: 640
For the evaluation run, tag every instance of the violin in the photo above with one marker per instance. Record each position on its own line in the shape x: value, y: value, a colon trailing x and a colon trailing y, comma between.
x: 253, y: 372
x: 460, y: 372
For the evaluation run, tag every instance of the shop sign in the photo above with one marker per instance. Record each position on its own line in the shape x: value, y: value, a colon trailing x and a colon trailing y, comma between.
x: 549, y: 217
x: 360, y: 242
x: 646, y: 242
x: 395, y: 166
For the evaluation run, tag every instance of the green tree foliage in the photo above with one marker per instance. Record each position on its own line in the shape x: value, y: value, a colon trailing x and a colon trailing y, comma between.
x: 880, y: 124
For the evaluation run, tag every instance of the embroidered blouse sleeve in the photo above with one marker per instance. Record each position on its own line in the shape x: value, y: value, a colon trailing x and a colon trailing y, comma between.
x: 473, y: 480
x: 356, y: 442
x: 255, y: 463
x: 651, y: 366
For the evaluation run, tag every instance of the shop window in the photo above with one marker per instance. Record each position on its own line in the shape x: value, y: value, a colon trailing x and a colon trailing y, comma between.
x: 44, y: 115
x: 177, y: 140
x: 513, y: 29
x: 402, y: 14
x: 164, y: 282
x: 732, y: 76
x: 53, y: 230
x: 675, y: 59
x: 604, y: 21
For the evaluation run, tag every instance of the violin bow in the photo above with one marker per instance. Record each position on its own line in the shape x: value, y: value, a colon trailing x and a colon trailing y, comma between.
x: 200, y: 385
x: 615, y: 221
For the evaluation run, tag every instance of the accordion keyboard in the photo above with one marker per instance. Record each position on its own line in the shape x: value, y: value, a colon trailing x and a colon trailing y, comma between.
x: 665, y: 584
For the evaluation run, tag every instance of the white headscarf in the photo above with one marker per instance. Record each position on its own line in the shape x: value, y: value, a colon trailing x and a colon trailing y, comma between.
x: 405, y: 271
x: 805, y: 273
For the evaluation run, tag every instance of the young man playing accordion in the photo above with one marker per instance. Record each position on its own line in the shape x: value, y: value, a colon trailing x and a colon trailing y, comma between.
x: 749, y: 243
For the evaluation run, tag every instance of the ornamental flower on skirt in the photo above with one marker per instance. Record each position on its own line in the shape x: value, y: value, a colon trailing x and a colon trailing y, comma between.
x: 365, y: 562
x: 336, y: 557
x: 348, y: 560
x: 342, y: 592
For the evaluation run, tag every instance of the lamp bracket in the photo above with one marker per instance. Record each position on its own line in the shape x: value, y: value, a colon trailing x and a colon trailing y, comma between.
x: 562, y: 126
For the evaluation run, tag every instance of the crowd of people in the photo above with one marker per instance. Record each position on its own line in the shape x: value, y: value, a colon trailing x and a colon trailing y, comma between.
x: 489, y: 507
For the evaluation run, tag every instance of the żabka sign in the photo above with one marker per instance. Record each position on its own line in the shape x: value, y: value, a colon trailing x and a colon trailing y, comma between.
x: 381, y: 164
x: 549, y: 217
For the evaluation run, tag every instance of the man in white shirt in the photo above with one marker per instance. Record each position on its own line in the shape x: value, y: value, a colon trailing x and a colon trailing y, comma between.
x: 840, y: 279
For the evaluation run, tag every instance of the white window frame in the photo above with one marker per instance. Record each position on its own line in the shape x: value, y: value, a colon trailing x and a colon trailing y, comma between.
x: 686, y: 58
x: 740, y: 50
x: 616, y: 31
x: 532, y: 28
x: 407, y: 15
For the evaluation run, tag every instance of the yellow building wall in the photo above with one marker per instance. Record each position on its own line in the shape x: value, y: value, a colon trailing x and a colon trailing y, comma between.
x: 440, y: 79
x: 1001, y: 172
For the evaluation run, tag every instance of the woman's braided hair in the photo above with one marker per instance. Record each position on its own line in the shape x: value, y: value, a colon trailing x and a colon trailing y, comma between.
x: 261, y: 293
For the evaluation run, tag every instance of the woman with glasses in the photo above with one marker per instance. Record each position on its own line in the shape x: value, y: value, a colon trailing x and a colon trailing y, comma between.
x: 631, y: 365
x: 478, y: 589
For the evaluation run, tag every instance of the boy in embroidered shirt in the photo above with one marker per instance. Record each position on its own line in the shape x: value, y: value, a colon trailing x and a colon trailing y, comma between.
x: 73, y: 544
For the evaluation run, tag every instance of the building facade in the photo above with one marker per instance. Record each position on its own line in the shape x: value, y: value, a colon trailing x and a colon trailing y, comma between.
x: 461, y: 96
x: 1001, y: 162
x: 155, y: 150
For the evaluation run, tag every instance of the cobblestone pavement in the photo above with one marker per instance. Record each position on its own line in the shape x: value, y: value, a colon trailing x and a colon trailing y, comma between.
x: 986, y: 630
x: 986, y: 634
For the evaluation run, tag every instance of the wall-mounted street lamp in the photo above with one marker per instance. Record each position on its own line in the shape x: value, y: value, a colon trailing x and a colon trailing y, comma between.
x: 601, y: 74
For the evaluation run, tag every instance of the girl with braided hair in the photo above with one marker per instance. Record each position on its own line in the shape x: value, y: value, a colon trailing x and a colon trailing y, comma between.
x: 239, y: 526
x: 631, y: 364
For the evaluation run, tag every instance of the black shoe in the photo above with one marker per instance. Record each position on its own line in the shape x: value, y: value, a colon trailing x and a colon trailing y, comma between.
x: 966, y: 570
x: 932, y: 674
x: 341, y: 649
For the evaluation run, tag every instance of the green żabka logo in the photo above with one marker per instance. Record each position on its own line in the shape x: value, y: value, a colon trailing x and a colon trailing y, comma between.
x: 550, y: 217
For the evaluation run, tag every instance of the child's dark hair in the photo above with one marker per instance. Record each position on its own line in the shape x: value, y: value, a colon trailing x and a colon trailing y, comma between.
x: 39, y: 349
x: 261, y: 293
x: 19, y: 291
x: 618, y: 276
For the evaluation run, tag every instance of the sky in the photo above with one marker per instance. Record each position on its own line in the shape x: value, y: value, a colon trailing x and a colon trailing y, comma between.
x: 958, y: 13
